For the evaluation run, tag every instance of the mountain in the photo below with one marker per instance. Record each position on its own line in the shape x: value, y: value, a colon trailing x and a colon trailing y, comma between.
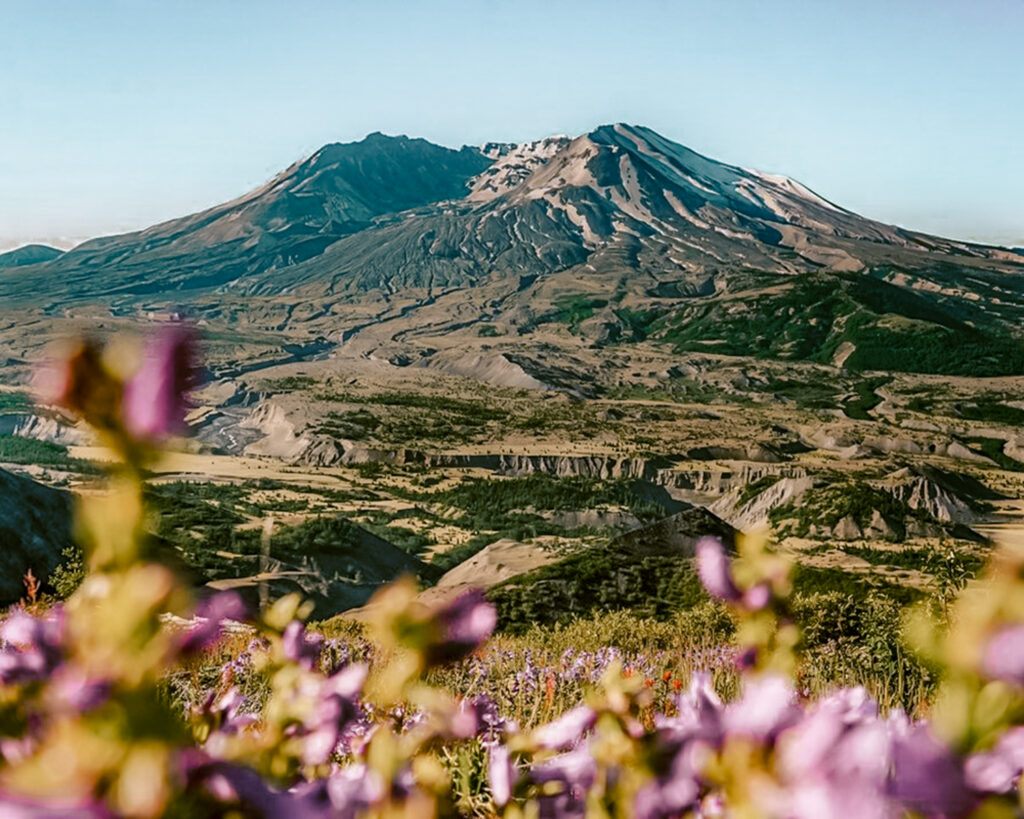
x: 29, y: 254
x: 616, y: 236
x: 337, y: 191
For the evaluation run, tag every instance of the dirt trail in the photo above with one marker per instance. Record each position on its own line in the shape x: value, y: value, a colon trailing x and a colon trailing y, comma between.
x: 175, y: 465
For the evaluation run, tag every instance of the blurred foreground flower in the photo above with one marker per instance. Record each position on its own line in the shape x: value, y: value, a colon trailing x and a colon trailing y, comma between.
x: 155, y: 399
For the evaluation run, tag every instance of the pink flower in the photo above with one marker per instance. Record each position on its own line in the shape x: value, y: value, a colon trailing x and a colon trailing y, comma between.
x: 567, y: 730
x: 713, y: 570
x: 501, y: 774
x: 210, y: 616
x: 154, y: 403
x: 927, y: 776
x: 463, y: 625
x: 301, y: 646
x: 1004, y: 655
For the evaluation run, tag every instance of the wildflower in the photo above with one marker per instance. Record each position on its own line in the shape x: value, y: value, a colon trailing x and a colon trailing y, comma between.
x: 210, y: 616
x: 713, y: 569
x: 464, y: 625
x: 76, y: 379
x: 567, y: 730
x: 155, y: 399
x: 670, y: 794
x: 766, y: 707
x: 1004, y: 655
x: 501, y: 774
x: 300, y: 646
x: 998, y: 770
x: 33, y: 646
x: 927, y: 776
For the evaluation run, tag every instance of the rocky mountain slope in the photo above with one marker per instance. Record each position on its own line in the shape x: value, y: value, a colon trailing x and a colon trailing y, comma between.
x: 35, y: 527
x: 613, y: 237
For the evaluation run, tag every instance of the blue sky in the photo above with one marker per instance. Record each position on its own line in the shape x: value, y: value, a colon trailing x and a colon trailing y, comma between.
x: 118, y: 114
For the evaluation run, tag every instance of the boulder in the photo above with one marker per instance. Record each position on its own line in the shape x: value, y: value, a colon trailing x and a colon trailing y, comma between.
x: 847, y: 529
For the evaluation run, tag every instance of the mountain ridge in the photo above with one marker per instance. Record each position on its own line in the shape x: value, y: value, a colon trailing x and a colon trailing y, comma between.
x: 29, y: 254
x: 618, y: 234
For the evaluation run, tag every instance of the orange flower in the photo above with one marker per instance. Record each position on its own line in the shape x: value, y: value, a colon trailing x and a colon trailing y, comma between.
x: 667, y: 676
x: 677, y: 684
x: 648, y: 682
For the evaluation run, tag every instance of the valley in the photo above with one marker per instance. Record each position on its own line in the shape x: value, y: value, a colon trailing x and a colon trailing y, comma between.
x: 481, y: 365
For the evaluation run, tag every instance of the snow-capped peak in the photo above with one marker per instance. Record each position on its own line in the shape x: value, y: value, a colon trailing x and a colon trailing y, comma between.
x: 514, y: 163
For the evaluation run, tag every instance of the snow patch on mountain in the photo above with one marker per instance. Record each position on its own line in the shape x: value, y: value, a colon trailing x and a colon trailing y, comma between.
x: 513, y: 164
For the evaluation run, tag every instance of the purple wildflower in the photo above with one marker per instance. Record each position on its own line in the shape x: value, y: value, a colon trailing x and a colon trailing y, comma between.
x: 14, y: 808
x: 464, y: 625
x: 998, y: 770
x: 1004, y: 655
x: 501, y: 774
x: 155, y: 399
x: 927, y: 776
x: 767, y: 707
x: 210, y: 616
x: 301, y: 646
x: 567, y: 730
x: 713, y: 570
x: 33, y: 646
x: 669, y: 795
x: 338, y: 705
x: 353, y: 791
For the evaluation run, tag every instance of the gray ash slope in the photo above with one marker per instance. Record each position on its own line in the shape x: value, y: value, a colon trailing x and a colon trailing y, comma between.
x: 619, y: 234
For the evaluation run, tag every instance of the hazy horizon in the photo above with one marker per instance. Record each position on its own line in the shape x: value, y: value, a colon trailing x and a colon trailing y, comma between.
x: 128, y: 114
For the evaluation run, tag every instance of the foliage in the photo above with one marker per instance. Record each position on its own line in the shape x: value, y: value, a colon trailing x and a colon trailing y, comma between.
x: 13, y: 401
x: 825, y: 506
x: 596, y: 580
x: 69, y: 573
x: 354, y: 425
x: 992, y: 448
x: 890, y: 328
x: 572, y: 310
x: 17, y: 450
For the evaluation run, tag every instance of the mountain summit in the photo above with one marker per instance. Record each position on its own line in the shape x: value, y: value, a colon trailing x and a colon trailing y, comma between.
x: 619, y: 232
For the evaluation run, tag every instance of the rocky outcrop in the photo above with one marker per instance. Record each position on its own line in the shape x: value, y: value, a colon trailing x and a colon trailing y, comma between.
x: 848, y: 445
x: 280, y: 438
x: 43, y: 428
x: 945, y: 496
x: 494, y: 564
x: 35, y: 527
x: 590, y: 466
x: 324, y: 450
x: 735, y: 476
x: 752, y: 513
x: 757, y: 452
x: 847, y: 528
x: 489, y: 368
